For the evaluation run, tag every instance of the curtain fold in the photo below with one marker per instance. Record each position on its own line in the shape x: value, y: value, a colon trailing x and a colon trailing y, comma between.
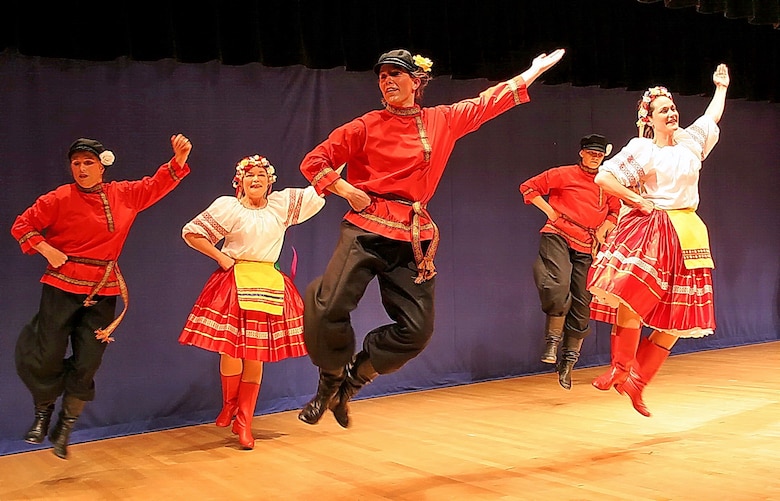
x: 611, y: 43
x: 755, y: 11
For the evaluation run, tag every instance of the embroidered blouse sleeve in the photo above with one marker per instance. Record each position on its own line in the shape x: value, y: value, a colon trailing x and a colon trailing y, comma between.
x: 701, y: 136
x: 632, y: 163
x: 304, y: 203
x: 215, y: 222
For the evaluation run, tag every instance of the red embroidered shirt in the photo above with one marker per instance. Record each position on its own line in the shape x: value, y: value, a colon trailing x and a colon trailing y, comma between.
x: 572, y: 193
x: 398, y: 155
x: 91, y: 224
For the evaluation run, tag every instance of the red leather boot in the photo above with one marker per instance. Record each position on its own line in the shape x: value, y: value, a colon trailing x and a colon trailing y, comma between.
x: 649, y: 359
x: 247, y: 401
x: 229, y: 399
x: 623, y: 347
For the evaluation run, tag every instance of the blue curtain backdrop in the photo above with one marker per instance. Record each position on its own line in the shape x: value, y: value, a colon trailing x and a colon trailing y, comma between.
x: 488, y: 320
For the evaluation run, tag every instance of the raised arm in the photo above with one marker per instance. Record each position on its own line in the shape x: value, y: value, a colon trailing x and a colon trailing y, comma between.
x: 540, y: 64
x: 721, y: 80
x: 181, y: 148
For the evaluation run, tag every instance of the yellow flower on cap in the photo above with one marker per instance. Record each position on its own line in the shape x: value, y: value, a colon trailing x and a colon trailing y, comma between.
x: 423, y: 63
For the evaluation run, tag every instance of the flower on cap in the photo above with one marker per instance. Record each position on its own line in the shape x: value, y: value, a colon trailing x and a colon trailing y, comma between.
x: 423, y: 63
x: 107, y: 158
x: 643, y: 113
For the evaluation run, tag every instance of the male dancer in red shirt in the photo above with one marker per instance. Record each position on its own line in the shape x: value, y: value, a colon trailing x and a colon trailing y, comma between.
x: 80, y: 229
x: 579, y: 215
x: 395, y: 159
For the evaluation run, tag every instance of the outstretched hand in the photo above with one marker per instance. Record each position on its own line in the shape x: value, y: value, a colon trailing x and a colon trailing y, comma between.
x: 540, y: 64
x: 721, y: 76
x: 721, y: 80
x: 544, y: 62
x: 181, y: 148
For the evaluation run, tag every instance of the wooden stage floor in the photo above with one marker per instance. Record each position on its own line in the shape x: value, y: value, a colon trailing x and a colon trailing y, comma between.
x: 714, y: 435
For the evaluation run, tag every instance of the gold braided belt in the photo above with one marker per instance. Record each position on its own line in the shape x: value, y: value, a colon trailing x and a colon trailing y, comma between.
x: 104, y: 334
x: 594, y: 242
x: 425, y: 267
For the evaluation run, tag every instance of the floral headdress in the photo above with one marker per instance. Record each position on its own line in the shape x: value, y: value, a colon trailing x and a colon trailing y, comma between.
x: 643, y: 111
x: 246, y: 164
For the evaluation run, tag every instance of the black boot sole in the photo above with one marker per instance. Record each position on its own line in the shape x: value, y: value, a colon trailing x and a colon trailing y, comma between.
x: 310, y: 415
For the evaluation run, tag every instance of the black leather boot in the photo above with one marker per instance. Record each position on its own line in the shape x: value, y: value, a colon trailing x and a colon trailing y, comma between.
x: 60, y: 434
x: 553, y: 333
x: 359, y: 373
x: 328, y: 386
x: 40, y: 426
x: 569, y: 356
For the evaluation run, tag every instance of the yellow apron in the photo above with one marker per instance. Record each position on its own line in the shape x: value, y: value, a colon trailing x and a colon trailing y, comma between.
x: 694, y: 239
x: 260, y: 287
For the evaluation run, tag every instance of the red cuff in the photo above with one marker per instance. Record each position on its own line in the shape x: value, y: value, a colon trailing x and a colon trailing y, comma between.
x: 178, y: 171
x: 28, y: 243
x: 328, y: 177
x: 528, y: 196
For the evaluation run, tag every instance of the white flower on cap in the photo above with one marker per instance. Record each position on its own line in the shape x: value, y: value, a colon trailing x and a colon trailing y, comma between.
x: 107, y: 158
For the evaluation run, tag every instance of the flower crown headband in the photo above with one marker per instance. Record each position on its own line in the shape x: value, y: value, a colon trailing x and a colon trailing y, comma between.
x: 246, y: 164
x: 643, y: 113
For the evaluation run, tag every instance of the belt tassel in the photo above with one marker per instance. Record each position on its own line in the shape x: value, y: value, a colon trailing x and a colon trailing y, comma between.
x: 425, y: 267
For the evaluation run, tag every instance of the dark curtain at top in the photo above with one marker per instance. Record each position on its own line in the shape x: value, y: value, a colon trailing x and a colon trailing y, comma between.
x: 755, y: 11
x: 612, y: 43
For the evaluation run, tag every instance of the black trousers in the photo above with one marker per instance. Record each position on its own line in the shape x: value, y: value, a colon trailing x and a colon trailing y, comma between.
x: 358, y: 258
x: 561, y: 276
x: 61, y: 320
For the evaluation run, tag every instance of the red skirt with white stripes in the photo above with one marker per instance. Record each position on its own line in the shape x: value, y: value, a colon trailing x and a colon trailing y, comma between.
x: 641, y: 266
x: 216, y: 323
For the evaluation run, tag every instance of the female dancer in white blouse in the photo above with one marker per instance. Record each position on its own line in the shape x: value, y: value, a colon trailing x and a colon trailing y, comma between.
x: 656, y: 269
x: 248, y: 311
